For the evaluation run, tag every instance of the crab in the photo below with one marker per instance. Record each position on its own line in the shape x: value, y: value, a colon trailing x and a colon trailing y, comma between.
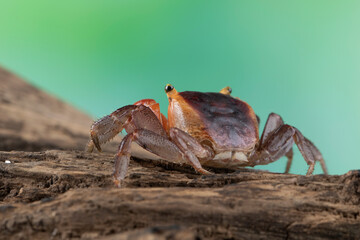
x: 211, y: 129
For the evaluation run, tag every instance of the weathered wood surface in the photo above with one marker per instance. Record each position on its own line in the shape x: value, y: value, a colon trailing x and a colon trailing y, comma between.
x: 32, y: 120
x: 70, y: 195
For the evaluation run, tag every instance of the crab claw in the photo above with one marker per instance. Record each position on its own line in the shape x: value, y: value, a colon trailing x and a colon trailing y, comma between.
x: 106, y: 128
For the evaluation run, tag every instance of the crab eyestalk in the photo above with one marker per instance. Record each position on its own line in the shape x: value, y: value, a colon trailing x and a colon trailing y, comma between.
x: 226, y: 90
x: 171, y: 92
x: 168, y: 88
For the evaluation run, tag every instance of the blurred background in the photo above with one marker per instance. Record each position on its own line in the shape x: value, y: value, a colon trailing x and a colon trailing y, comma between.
x: 298, y: 59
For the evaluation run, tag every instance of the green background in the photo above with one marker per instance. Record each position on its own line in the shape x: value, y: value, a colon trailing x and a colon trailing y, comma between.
x: 300, y: 59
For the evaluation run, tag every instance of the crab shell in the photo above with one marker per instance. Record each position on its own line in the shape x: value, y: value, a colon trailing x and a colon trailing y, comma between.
x: 202, y: 129
x: 217, y: 120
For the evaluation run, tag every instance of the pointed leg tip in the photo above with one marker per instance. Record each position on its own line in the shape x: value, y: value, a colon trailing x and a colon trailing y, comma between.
x: 89, y: 147
x: 310, y: 170
x: 204, y: 172
x: 96, y: 142
x: 117, y: 183
x: 98, y: 148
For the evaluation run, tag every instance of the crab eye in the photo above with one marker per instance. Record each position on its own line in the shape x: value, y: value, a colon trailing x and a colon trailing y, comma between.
x: 230, y: 90
x: 168, y: 88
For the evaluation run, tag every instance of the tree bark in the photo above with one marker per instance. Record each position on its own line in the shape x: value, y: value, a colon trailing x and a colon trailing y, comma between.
x: 70, y: 195
x: 32, y: 120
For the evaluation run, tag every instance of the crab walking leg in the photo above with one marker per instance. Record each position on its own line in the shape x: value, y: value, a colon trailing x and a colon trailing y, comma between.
x: 185, y: 141
x: 273, y: 123
x: 150, y: 141
x: 192, y: 148
x: 289, y: 156
x: 316, y: 153
x: 144, y: 118
x: 154, y: 143
x: 130, y: 117
x: 275, y: 146
x: 318, y: 156
x: 109, y: 126
x: 155, y: 108
x: 122, y: 160
x: 307, y: 149
x: 279, y: 143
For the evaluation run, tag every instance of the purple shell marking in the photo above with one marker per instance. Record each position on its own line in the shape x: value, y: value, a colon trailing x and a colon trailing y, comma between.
x: 227, y: 120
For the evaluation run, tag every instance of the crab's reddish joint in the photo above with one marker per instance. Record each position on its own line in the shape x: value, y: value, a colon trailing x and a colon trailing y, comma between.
x: 202, y: 129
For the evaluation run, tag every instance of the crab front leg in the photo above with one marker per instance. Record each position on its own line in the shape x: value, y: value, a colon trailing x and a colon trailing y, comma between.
x: 277, y: 140
x: 106, y: 128
x: 273, y: 123
x: 162, y: 147
x: 130, y: 117
x: 150, y: 141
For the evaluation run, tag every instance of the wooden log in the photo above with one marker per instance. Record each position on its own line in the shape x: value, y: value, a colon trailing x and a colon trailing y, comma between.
x: 32, y: 120
x: 70, y: 195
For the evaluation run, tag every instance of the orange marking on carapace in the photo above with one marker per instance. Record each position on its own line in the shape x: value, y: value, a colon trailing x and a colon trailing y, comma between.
x: 181, y: 115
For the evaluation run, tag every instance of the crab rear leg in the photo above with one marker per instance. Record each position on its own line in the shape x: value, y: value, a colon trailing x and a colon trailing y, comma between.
x: 289, y: 156
x: 273, y: 123
x: 277, y: 140
x: 318, y: 156
x: 310, y: 148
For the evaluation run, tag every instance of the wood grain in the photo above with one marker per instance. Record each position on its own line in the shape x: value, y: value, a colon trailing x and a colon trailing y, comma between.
x: 70, y: 195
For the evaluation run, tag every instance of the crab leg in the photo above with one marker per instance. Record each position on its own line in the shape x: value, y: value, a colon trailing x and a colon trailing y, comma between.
x: 274, y: 147
x: 122, y: 159
x: 187, y: 142
x: 150, y: 141
x: 307, y: 147
x: 318, y: 156
x: 155, y: 107
x: 154, y: 143
x: 109, y: 126
x: 130, y: 117
x: 289, y: 156
x: 280, y: 142
x: 192, y: 148
x: 273, y: 123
